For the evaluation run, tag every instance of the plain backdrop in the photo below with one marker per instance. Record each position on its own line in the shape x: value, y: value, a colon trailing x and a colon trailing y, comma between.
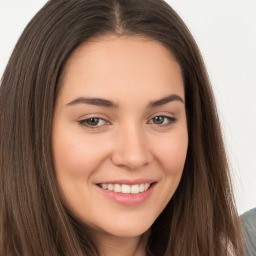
x: 225, y: 31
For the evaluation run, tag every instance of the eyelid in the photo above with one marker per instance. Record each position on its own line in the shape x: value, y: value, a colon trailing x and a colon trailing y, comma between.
x: 171, y: 119
x: 83, y: 122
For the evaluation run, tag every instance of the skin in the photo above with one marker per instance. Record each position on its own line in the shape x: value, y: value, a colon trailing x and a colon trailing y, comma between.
x: 126, y: 143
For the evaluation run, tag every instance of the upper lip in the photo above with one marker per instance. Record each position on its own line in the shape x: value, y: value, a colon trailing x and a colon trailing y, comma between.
x: 128, y: 182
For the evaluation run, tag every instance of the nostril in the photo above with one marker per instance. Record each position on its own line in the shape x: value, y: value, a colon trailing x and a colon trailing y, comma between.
x: 130, y: 161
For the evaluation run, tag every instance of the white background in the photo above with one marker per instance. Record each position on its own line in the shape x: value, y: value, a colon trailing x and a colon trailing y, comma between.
x: 225, y: 31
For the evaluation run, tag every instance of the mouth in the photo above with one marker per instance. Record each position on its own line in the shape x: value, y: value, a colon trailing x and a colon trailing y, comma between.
x: 126, y: 188
x: 128, y: 194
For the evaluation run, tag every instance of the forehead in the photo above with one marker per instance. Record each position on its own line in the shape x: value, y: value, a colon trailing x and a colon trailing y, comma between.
x: 124, y: 44
x: 111, y: 64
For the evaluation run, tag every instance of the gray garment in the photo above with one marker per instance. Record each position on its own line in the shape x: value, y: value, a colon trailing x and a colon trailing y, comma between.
x: 249, y: 227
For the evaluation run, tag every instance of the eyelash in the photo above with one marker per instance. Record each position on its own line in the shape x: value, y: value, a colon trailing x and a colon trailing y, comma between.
x: 84, y: 122
x: 170, y: 121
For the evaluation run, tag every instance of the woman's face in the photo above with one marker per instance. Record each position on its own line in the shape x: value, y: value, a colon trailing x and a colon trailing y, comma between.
x: 120, y: 126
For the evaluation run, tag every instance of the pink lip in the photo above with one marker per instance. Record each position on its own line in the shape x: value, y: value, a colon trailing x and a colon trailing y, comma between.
x: 128, y: 199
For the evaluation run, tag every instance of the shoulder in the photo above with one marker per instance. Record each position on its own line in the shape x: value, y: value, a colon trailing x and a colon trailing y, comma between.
x: 248, y: 220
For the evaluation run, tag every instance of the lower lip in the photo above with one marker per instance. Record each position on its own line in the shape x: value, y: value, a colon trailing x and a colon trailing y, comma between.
x: 128, y: 199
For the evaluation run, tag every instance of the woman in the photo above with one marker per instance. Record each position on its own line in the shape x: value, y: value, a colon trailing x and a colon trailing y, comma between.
x: 110, y: 139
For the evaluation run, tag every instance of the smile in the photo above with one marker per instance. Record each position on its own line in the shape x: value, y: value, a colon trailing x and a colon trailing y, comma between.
x: 133, y: 193
x: 126, y: 189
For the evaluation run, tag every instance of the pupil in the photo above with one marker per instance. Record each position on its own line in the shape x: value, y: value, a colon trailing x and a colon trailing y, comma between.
x: 93, y: 121
x: 158, y: 119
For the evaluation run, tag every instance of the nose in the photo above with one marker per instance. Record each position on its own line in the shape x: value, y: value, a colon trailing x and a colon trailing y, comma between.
x: 131, y: 149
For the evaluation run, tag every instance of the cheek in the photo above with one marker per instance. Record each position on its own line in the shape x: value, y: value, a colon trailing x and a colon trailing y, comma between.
x: 77, y: 155
x: 172, y: 154
x: 76, y: 159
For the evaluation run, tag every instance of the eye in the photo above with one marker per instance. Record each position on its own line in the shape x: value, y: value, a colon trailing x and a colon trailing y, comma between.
x: 93, y: 122
x: 163, y: 120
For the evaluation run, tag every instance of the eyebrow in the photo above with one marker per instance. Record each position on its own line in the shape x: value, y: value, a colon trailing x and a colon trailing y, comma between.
x: 165, y: 100
x: 110, y: 104
x: 93, y: 101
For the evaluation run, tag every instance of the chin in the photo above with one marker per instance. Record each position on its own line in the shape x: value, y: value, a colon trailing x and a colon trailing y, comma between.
x: 123, y: 230
x: 128, y: 232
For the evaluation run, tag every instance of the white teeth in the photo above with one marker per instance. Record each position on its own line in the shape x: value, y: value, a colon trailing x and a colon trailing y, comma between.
x: 126, y: 189
x: 142, y: 187
x: 147, y: 186
x: 135, y: 189
x: 110, y: 187
x: 105, y: 186
x: 117, y: 188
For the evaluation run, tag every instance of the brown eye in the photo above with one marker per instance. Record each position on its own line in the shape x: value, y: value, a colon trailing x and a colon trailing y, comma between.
x: 158, y: 120
x: 163, y: 120
x: 93, y: 122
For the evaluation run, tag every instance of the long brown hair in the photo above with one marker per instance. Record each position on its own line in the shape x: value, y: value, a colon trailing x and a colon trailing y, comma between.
x: 200, y: 219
